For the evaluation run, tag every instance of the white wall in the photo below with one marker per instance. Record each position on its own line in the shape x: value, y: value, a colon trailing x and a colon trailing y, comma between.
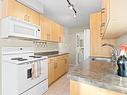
x: 122, y: 39
x: 0, y: 9
x: 69, y: 44
x: 86, y: 43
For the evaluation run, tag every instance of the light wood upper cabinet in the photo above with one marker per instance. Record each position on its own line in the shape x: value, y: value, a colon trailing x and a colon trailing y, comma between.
x: 44, y: 28
x: 51, y: 31
x: 60, y: 34
x: 18, y: 10
x: 114, y: 18
x: 33, y: 16
x: 96, y: 40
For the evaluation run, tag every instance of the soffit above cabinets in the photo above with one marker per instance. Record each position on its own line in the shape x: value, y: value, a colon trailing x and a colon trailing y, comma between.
x: 33, y: 4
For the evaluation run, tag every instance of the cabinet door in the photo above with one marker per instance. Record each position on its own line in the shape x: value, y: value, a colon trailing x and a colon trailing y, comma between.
x: 57, y: 68
x: 44, y: 23
x: 55, y: 32
x: 62, y: 65
x: 33, y: 16
x: 60, y: 34
x: 95, y: 39
x: 19, y: 11
x: 51, y: 76
x: 104, y: 16
x: 66, y: 57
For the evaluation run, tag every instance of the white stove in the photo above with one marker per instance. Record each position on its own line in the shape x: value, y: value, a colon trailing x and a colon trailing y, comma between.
x: 22, y: 72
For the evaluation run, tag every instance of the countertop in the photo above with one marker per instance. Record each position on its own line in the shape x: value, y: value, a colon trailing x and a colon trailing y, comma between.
x: 97, y: 73
x: 51, y: 54
x: 59, y: 54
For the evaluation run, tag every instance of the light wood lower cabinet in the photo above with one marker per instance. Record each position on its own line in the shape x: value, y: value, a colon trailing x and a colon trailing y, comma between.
x: 51, y: 72
x: 78, y: 88
x: 57, y: 66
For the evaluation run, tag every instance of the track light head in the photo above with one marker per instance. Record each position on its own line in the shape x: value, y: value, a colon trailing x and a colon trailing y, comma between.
x: 71, y: 7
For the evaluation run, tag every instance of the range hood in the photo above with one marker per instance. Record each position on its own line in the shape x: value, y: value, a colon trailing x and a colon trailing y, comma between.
x: 14, y: 28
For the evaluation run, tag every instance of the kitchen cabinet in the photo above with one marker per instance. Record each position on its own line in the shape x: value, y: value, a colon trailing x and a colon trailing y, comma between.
x: 113, y: 18
x: 67, y: 62
x: 53, y: 31
x: 78, y: 88
x: 18, y: 10
x: 61, y: 34
x: 50, y: 30
x: 104, y: 16
x: 57, y: 66
x: 33, y: 17
x: 96, y: 40
x: 45, y: 30
x: 51, y: 74
x: 60, y: 66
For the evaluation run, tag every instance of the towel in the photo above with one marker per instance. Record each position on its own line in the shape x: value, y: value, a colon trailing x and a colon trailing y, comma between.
x: 39, y: 67
x: 34, y: 70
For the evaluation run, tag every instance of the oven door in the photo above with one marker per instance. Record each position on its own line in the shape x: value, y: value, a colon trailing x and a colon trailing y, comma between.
x: 25, y: 81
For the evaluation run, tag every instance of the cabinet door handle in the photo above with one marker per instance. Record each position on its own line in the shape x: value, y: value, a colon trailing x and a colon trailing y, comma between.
x: 59, y: 39
x: 103, y: 10
x: 55, y: 66
x: 25, y: 17
x: 101, y: 34
x: 103, y: 24
x: 28, y: 18
x: 48, y: 36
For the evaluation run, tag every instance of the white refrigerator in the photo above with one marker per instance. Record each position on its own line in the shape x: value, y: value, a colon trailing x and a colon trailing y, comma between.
x: 82, y: 46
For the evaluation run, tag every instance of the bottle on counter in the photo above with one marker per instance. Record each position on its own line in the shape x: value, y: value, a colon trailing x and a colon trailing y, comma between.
x: 122, y: 62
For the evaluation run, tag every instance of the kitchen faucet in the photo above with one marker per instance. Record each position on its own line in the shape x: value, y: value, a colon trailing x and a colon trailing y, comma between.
x: 114, y: 52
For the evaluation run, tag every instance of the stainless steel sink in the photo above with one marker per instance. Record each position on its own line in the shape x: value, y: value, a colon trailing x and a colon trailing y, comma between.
x: 104, y: 59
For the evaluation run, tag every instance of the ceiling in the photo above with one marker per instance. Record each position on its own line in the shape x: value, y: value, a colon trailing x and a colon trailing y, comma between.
x: 58, y: 11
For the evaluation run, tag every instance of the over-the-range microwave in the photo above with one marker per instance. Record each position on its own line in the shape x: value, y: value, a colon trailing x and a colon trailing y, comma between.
x: 13, y: 27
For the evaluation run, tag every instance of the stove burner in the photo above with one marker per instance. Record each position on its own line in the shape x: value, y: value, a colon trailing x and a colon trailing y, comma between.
x: 22, y: 59
x: 35, y: 56
x: 19, y: 59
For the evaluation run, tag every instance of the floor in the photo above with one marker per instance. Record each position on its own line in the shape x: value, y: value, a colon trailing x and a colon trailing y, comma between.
x: 60, y: 87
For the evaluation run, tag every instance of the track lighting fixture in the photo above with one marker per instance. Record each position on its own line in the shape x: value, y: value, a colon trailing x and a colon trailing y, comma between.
x: 71, y: 7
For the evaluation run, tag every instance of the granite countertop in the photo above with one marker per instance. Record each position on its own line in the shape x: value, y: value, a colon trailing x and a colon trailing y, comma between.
x: 50, y: 54
x: 100, y: 74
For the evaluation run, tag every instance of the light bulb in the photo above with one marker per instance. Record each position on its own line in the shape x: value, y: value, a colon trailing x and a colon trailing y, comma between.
x: 70, y: 7
x: 74, y: 15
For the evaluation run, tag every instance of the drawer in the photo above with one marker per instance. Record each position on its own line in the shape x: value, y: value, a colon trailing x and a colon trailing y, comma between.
x: 38, y: 89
